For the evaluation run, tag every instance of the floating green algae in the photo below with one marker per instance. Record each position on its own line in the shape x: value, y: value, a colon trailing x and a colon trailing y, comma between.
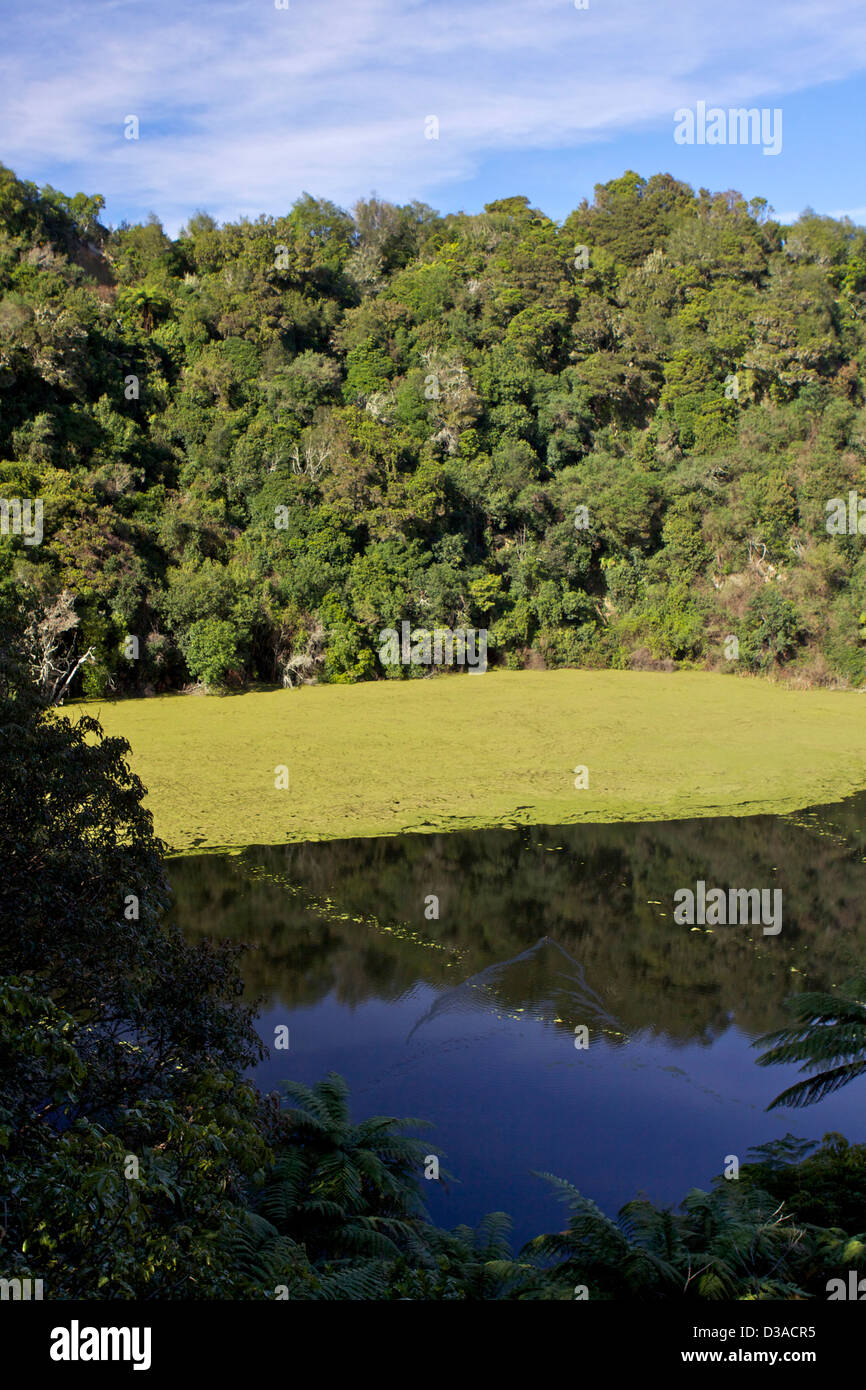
x: 476, y: 751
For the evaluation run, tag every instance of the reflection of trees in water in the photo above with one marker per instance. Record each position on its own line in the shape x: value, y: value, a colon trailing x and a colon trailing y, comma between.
x: 348, y: 916
x: 543, y: 974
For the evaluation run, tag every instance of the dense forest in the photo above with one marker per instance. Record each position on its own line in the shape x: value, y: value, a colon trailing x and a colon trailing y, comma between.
x: 608, y: 442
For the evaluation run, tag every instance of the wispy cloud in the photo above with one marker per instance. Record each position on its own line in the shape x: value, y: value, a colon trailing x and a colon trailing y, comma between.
x: 243, y: 105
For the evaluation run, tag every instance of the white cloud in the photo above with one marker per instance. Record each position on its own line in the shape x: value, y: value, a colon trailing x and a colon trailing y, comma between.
x: 242, y: 105
x: 856, y: 215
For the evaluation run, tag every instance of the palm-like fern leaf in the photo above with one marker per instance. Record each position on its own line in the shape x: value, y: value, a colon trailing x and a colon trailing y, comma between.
x: 828, y: 1039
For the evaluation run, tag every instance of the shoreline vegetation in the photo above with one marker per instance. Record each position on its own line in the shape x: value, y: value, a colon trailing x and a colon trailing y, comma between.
x: 389, y: 758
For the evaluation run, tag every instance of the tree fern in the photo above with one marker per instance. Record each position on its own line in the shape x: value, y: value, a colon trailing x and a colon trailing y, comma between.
x: 341, y: 1188
x: 828, y: 1039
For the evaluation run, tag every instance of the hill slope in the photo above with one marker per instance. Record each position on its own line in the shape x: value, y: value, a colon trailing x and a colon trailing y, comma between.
x: 607, y: 442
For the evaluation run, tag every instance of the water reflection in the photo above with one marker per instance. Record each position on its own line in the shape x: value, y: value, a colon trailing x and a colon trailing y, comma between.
x: 468, y: 1017
x: 545, y: 973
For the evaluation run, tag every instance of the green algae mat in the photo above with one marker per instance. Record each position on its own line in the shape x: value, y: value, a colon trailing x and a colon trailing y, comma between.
x: 472, y: 751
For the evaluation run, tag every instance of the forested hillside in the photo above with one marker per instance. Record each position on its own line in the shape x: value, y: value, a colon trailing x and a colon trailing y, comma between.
x: 609, y: 442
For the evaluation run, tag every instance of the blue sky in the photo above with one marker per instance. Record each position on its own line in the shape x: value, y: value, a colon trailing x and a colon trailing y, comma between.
x: 243, y: 106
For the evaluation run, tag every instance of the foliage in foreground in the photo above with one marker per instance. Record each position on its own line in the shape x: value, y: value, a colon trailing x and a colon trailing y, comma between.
x: 828, y: 1039
x: 325, y: 1225
x: 127, y: 1133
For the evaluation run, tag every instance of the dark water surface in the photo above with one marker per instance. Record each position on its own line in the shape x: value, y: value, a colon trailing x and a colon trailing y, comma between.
x: 469, y: 1021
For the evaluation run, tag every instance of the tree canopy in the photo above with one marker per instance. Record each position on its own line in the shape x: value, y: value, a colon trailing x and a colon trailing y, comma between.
x: 609, y: 441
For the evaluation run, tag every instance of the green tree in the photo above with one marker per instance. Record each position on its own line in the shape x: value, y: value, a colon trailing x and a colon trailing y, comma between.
x: 211, y: 650
x: 116, y: 1038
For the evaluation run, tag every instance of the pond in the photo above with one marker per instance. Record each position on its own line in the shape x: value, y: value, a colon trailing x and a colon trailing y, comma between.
x: 456, y: 978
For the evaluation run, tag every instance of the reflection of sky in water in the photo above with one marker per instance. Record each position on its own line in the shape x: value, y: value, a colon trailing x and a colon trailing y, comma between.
x: 491, y: 1060
x: 510, y: 1095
